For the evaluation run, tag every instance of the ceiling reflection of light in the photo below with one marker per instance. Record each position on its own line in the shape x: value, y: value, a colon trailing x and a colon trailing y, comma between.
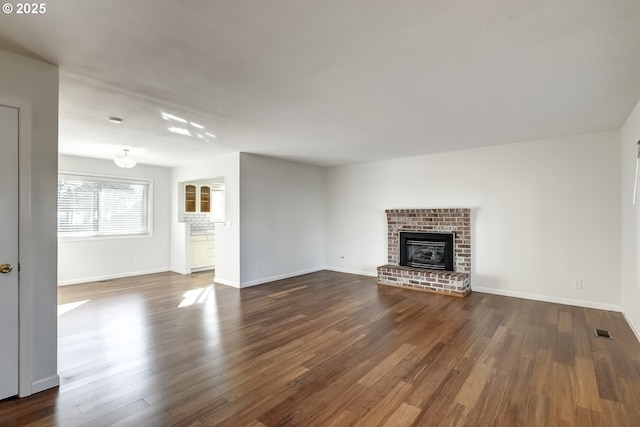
x: 185, y: 130
x: 168, y: 116
x: 181, y: 131
x: 65, y: 308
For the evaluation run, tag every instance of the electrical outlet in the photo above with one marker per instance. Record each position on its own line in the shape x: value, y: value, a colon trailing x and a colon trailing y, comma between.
x: 136, y: 261
x: 577, y: 284
x: 259, y: 267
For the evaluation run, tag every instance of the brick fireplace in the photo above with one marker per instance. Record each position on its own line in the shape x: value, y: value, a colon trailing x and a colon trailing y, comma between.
x: 438, y: 222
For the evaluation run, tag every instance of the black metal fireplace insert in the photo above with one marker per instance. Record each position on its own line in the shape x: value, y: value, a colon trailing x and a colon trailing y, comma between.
x: 433, y: 251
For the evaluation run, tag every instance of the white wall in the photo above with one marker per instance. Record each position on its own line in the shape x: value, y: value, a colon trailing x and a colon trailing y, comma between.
x: 543, y: 214
x: 86, y: 260
x: 37, y: 83
x: 227, y: 245
x: 281, y: 219
x: 629, y: 136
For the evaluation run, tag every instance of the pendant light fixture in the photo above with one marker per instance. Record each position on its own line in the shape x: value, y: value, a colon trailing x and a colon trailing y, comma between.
x: 125, y: 160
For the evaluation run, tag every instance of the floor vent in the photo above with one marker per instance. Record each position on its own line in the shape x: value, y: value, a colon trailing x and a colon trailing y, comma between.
x: 602, y: 333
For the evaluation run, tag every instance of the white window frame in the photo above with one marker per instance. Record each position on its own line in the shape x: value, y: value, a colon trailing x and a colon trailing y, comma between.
x: 120, y: 179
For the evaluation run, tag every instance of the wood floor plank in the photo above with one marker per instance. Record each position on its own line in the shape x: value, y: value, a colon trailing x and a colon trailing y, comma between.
x: 403, y: 416
x: 376, y: 415
x: 329, y: 349
x: 587, y: 396
x: 386, y: 365
x: 475, y: 383
x: 564, y: 321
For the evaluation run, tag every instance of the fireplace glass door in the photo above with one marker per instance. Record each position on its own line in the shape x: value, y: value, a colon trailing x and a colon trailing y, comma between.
x: 433, y: 251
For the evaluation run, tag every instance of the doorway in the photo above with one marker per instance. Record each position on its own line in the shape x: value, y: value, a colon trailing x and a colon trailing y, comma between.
x: 9, y: 252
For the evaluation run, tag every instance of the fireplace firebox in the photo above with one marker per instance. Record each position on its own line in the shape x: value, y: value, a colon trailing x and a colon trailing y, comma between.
x: 433, y: 251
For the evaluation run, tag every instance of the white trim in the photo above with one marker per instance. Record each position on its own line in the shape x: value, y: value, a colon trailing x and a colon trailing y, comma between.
x: 226, y: 282
x: 175, y: 270
x: 25, y: 281
x: 350, y: 271
x: 201, y: 269
x: 107, y: 177
x: 279, y: 277
x: 25, y: 250
x: 45, y: 384
x: 632, y: 325
x: 71, y: 239
x: 545, y: 298
x: 111, y: 276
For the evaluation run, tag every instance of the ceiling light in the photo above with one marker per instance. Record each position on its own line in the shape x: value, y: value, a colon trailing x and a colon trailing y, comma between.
x: 125, y: 160
x: 195, y: 125
x: 117, y: 120
x: 210, y: 134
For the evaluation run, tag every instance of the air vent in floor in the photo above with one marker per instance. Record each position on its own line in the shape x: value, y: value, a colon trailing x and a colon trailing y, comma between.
x: 602, y: 333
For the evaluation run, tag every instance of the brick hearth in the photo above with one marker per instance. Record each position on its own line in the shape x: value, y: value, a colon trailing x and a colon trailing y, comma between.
x: 456, y: 221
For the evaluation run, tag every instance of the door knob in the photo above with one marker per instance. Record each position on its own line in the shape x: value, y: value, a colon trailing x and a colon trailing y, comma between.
x: 5, y: 268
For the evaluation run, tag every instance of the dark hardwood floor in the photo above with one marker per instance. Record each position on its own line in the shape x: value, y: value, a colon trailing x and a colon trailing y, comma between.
x: 329, y: 349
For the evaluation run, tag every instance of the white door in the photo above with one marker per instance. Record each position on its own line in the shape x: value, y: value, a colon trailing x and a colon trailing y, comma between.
x: 8, y: 251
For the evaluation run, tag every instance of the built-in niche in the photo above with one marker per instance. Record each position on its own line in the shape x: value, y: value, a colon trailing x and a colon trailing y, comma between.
x: 203, y: 197
x: 201, y: 205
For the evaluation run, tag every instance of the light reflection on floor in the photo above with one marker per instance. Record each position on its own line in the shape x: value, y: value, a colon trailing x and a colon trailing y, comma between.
x: 110, y: 337
x: 65, y: 308
x: 114, y: 333
x: 195, y: 296
x: 205, y: 297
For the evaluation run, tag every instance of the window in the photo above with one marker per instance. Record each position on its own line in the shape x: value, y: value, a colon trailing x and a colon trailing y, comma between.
x: 100, y: 206
x: 217, y: 205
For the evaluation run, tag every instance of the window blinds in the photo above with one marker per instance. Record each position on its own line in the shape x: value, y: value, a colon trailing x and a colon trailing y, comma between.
x: 97, y: 206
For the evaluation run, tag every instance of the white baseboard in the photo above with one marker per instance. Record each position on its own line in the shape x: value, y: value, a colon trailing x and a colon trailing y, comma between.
x: 45, y: 384
x: 350, y: 271
x: 279, y: 277
x: 111, y: 276
x: 546, y: 298
x: 225, y: 282
x: 201, y: 269
x: 632, y: 325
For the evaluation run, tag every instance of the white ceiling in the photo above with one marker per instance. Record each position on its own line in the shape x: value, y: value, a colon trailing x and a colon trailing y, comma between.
x: 335, y: 81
